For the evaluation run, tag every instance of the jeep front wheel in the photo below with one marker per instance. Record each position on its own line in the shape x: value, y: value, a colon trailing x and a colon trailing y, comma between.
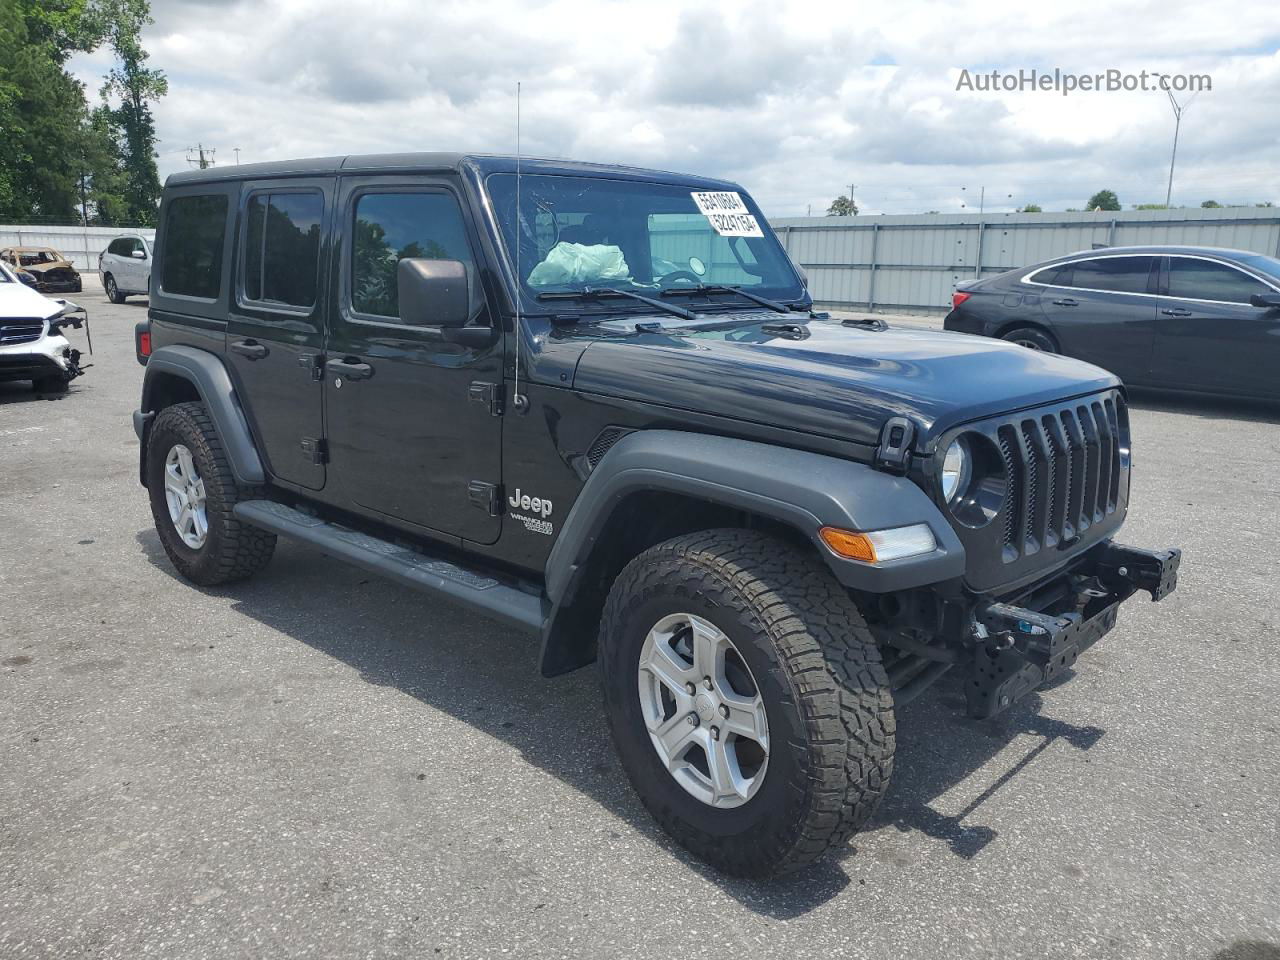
x: 193, y: 493
x: 746, y: 699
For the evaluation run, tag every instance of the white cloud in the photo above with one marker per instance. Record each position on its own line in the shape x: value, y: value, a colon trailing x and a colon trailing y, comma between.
x: 794, y: 99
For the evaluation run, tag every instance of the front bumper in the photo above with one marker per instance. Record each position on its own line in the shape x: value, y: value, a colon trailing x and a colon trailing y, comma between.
x: 51, y: 356
x: 1021, y: 647
x: 59, y: 286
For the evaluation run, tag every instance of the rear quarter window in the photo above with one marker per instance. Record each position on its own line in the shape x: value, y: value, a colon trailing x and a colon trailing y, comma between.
x: 193, y: 240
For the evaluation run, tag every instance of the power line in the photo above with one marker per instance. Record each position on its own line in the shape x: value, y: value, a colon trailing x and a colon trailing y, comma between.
x: 196, y: 156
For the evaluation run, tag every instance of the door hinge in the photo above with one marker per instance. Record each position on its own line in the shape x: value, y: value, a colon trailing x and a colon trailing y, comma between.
x: 486, y: 496
x: 317, y: 451
x: 490, y: 394
x: 316, y: 364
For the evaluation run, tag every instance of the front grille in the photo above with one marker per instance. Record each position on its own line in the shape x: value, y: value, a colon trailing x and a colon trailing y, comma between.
x: 1064, y: 473
x: 20, y: 331
x: 1067, y: 487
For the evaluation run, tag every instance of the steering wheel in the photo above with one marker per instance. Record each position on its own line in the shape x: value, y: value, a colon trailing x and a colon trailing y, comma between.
x: 681, y: 275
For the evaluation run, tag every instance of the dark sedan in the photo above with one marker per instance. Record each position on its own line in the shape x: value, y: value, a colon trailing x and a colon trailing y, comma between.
x: 1199, y: 319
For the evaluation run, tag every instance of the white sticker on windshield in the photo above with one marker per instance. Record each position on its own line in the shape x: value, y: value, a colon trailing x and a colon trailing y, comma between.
x: 728, y: 214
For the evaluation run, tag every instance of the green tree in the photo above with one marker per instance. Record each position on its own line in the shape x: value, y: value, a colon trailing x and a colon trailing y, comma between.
x: 55, y: 154
x: 1031, y: 208
x: 842, y: 206
x: 1149, y: 206
x: 1103, y: 200
x: 137, y: 85
x: 1210, y: 205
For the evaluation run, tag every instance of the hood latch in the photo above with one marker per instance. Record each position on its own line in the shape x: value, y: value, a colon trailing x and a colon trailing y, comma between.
x: 894, y: 452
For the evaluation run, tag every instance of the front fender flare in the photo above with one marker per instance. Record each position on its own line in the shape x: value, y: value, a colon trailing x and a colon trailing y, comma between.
x: 208, y: 374
x: 801, y: 489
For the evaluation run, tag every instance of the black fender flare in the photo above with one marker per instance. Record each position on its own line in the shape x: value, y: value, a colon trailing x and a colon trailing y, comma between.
x: 799, y: 488
x: 208, y: 374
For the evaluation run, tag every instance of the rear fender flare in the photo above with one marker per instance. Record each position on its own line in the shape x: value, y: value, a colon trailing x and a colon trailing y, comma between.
x: 208, y: 374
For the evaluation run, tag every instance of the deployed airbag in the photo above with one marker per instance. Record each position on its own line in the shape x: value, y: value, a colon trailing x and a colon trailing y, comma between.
x: 580, y: 263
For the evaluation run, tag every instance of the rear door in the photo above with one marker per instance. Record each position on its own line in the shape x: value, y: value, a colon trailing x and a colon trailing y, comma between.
x: 131, y: 272
x: 411, y: 434
x: 1208, y: 335
x: 1103, y: 310
x: 275, y: 328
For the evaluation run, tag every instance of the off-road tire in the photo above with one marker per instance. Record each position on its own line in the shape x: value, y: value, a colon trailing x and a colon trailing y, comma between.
x: 816, y: 665
x: 112, y: 289
x: 1031, y: 337
x: 232, y: 550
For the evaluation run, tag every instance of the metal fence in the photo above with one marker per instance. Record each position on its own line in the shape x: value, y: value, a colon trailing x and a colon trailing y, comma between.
x: 80, y: 245
x: 912, y: 262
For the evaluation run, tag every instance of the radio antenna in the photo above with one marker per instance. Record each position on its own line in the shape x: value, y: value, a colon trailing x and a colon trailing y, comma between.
x: 518, y: 400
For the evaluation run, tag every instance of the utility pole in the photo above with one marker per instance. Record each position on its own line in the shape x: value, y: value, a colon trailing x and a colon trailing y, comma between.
x: 84, y: 202
x: 1178, y: 111
x: 200, y: 160
x: 236, y: 151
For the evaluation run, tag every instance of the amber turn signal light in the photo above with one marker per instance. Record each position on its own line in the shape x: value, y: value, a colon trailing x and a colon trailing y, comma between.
x: 846, y: 543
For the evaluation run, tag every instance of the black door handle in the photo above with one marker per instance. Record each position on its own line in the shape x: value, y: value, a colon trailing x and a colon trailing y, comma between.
x: 353, y: 368
x: 249, y: 348
x: 1177, y: 312
x: 1067, y: 302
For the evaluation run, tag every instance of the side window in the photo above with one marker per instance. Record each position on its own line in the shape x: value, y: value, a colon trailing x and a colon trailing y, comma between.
x: 1204, y: 280
x: 1051, y: 275
x: 390, y: 227
x: 193, y: 246
x: 282, y: 248
x: 1118, y: 274
x: 117, y: 247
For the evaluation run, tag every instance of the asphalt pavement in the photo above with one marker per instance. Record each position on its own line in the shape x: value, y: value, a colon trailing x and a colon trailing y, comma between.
x: 317, y: 763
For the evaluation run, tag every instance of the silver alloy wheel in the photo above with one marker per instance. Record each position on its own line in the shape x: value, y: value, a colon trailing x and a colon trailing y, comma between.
x: 184, y: 493
x: 111, y: 288
x: 1029, y: 344
x: 703, y: 710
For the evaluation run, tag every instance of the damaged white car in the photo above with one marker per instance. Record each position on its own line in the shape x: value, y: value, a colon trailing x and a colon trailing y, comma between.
x: 32, y: 344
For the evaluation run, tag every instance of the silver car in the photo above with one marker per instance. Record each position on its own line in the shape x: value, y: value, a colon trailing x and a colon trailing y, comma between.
x: 125, y: 267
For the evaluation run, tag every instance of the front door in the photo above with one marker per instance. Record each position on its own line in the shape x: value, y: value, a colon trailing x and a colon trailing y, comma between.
x: 275, y: 327
x: 411, y: 435
x: 1102, y: 310
x: 1208, y: 336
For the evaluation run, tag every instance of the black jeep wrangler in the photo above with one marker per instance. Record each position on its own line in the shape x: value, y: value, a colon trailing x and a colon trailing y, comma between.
x: 596, y: 403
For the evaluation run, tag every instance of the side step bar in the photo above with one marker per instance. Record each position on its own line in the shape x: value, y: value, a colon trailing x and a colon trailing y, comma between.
x: 420, y: 571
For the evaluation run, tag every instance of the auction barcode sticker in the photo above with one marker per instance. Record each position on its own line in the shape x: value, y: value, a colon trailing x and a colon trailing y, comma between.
x: 728, y: 214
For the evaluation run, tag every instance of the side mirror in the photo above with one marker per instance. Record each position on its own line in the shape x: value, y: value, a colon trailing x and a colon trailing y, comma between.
x: 433, y: 293
x: 804, y: 274
x: 1268, y: 301
x: 138, y: 255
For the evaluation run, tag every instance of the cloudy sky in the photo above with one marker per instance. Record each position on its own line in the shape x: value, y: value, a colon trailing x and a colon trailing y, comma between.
x: 796, y: 100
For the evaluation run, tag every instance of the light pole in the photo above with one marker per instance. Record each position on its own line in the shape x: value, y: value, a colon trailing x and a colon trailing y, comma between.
x: 1178, y: 111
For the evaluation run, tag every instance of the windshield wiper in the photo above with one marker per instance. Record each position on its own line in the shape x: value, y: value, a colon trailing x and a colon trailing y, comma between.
x: 600, y: 293
x: 725, y: 288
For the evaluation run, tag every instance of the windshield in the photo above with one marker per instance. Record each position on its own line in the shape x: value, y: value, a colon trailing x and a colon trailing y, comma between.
x: 581, y: 233
x: 32, y: 258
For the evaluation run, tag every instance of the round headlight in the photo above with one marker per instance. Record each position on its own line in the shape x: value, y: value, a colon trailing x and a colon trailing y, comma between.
x: 955, y: 470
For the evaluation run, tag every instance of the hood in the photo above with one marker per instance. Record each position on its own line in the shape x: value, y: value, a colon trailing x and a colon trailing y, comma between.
x: 833, y: 380
x: 20, y: 302
x: 45, y: 267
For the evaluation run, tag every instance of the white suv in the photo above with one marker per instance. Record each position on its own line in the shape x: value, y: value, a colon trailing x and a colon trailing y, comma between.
x: 125, y: 267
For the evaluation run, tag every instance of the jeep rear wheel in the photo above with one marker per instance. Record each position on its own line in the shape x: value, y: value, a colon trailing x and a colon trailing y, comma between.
x: 193, y: 493
x: 746, y: 699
